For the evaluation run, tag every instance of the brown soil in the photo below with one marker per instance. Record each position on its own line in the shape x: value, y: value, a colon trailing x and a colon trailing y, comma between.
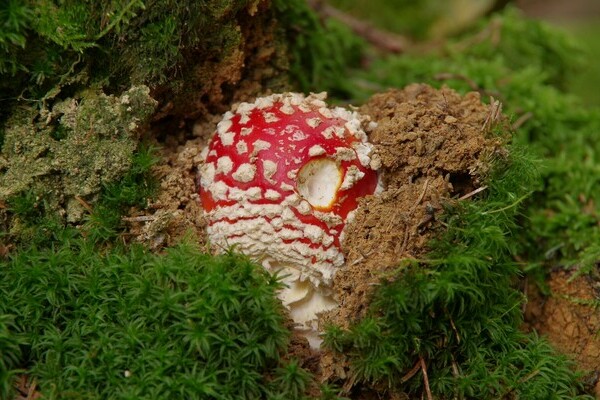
x: 435, y: 147
x: 569, y: 318
x: 176, y: 210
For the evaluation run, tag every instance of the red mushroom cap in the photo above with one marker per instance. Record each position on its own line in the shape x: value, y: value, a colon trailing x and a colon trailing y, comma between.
x: 274, y: 163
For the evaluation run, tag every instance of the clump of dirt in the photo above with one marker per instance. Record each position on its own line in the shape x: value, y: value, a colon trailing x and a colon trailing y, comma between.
x: 436, y: 147
x: 176, y: 210
x: 569, y: 318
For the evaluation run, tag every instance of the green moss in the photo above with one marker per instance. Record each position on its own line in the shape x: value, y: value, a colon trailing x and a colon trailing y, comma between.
x: 10, y: 355
x: 116, y: 198
x: 115, y: 44
x: 546, y: 48
x: 584, y: 83
x: 128, y: 324
x: 15, y: 17
x: 320, y: 55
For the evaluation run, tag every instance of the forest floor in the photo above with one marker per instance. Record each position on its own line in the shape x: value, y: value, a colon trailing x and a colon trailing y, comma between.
x: 420, y: 176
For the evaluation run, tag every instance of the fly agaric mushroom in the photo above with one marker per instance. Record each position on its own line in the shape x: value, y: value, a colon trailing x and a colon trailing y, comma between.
x: 280, y: 180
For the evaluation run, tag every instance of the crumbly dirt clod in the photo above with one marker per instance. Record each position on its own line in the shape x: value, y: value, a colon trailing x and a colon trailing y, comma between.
x: 569, y: 319
x: 176, y: 210
x: 435, y: 147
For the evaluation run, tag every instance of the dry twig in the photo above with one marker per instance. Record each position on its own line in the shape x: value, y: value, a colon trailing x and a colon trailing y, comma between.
x: 472, y: 193
x: 521, y: 120
x: 361, y: 258
x: 410, y: 214
x: 493, y: 116
x: 140, y: 218
x: 425, y: 379
x: 411, y: 373
x: 84, y: 203
x: 383, y: 40
x: 444, y: 76
x: 31, y: 393
x: 454, y: 329
x: 421, y: 196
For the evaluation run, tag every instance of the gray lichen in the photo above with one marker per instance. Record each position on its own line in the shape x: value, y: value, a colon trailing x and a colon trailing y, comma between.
x: 81, y: 144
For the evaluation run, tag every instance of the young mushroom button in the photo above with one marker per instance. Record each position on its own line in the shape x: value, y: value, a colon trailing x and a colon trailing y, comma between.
x: 280, y: 180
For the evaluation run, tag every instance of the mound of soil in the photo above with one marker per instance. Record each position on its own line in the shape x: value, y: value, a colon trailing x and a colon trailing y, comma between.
x: 569, y: 319
x: 176, y: 210
x: 433, y: 145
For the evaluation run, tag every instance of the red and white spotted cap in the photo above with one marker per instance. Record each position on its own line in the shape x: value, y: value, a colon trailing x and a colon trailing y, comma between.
x: 280, y: 180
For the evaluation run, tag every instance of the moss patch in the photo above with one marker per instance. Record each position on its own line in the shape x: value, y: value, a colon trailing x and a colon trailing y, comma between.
x: 128, y: 324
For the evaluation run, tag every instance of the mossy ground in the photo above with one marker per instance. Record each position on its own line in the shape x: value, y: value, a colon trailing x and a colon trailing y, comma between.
x: 180, y: 323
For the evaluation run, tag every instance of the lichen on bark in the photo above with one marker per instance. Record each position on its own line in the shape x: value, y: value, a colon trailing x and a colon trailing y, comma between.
x: 66, y: 155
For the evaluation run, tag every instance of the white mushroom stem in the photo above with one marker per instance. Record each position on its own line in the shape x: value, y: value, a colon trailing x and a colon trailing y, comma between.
x: 304, y: 300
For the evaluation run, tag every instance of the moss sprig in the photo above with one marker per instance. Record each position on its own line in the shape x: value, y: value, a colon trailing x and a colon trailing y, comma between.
x: 134, y: 190
x: 10, y: 355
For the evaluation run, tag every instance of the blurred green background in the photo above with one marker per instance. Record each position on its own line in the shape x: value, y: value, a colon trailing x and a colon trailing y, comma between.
x: 434, y: 20
x: 587, y: 83
x: 581, y: 18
